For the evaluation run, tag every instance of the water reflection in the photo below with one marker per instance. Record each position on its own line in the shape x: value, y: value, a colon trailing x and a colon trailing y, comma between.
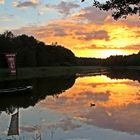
x: 121, y: 73
x: 42, y: 88
x: 63, y: 106
x: 117, y: 102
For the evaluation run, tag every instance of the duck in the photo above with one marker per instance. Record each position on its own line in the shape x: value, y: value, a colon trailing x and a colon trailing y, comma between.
x: 92, y: 104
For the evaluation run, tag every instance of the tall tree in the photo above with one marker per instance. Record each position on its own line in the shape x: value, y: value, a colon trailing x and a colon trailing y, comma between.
x: 120, y: 8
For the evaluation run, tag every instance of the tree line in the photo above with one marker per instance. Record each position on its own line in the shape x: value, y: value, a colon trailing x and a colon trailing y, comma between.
x: 116, y: 60
x: 34, y: 53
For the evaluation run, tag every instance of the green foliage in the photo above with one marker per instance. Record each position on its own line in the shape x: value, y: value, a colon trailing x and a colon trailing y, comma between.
x: 32, y: 53
x: 120, y: 8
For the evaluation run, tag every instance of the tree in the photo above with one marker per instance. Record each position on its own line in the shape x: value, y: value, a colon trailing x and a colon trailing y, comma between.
x: 33, y: 53
x: 120, y: 8
x: 7, y: 34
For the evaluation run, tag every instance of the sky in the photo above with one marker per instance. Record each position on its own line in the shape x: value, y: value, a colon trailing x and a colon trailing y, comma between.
x: 76, y: 25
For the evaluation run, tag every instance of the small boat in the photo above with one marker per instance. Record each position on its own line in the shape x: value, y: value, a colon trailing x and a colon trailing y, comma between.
x: 16, y: 90
x: 11, y: 57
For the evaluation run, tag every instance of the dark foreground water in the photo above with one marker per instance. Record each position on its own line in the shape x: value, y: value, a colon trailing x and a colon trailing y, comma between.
x: 99, y: 107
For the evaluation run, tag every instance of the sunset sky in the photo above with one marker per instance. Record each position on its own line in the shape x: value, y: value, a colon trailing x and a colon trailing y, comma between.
x: 85, y: 30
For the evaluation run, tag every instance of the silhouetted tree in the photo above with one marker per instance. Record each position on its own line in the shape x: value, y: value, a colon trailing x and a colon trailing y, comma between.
x: 42, y: 88
x: 31, y: 52
x: 122, y: 8
x: 118, y: 60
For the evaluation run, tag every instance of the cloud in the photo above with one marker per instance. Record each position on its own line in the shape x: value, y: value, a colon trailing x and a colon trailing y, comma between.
x: 132, y: 21
x: 134, y: 47
x: 59, y: 32
x: 137, y: 33
x: 102, y: 96
x: 115, y: 118
x: 99, y: 35
x: 63, y: 7
x: 2, y: 1
x: 65, y: 124
x: 25, y: 4
x: 7, y: 17
x: 29, y: 128
x: 91, y: 47
x: 92, y: 15
x: 87, y: 29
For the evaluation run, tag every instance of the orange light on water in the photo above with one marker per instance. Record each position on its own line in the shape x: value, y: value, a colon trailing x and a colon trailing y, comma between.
x: 101, y: 90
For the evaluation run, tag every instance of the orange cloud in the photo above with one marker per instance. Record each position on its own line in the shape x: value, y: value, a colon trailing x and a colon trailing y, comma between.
x: 2, y: 1
x: 93, y: 35
x: 134, y: 47
x: 87, y: 28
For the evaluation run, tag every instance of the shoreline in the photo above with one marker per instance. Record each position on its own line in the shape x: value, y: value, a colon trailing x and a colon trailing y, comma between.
x: 42, y: 72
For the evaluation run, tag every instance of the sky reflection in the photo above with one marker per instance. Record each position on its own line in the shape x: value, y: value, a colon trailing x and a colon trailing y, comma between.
x: 117, y: 103
x: 70, y: 116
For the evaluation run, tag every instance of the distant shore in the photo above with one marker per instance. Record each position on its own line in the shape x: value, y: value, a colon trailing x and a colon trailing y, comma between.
x: 41, y: 72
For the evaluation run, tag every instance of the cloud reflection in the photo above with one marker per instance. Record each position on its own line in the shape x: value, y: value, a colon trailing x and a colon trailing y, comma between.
x: 117, y: 103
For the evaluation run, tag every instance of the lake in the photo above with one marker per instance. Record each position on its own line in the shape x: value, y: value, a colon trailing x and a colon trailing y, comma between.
x: 101, y: 106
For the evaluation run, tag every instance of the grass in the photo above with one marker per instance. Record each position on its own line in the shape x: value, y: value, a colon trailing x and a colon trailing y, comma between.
x: 24, y: 73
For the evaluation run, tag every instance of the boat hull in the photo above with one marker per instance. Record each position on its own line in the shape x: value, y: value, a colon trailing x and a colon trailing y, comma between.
x: 16, y: 91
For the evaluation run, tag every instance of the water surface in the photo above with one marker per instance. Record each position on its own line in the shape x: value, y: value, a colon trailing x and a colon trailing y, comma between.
x: 60, y: 108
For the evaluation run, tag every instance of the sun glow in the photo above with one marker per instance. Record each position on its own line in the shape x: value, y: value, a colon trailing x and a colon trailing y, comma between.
x: 115, y: 41
x: 103, y: 53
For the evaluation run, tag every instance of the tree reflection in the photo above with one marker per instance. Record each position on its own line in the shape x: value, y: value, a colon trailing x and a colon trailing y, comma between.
x: 54, y: 86
x: 121, y: 73
x: 41, y: 88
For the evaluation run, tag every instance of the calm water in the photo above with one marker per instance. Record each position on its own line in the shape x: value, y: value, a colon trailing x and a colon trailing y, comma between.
x: 60, y: 108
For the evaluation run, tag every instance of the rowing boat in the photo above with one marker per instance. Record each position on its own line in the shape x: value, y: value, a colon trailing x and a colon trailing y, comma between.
x: 16, y: 90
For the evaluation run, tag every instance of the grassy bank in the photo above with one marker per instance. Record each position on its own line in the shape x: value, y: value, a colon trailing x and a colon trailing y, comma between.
x: 24, y: 73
